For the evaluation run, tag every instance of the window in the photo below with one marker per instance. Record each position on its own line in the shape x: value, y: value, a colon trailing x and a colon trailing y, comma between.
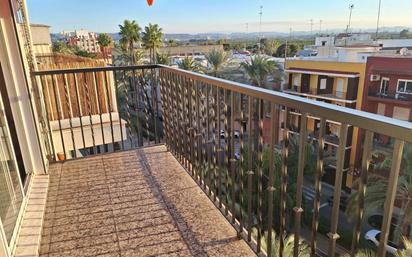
x: 296, y: 80
x: 322, y: 84
x: 401, y: 113
x: 384, y: 86
x: 339, y: 86
x: 404, y: 86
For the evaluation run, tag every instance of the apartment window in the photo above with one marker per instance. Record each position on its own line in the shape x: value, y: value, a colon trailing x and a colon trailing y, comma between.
x: 339, y: 86
x: 384, y: 86
x: 401, y: 113
x: 404, y: 86
x: 323, y: 84
x: 296, y: 80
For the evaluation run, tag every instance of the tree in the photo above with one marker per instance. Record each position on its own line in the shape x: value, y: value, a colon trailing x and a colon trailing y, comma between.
x: 162, y: 59
x: 304, y: 250
x: 152, y: 39
x: 62, y: 47
x: 291, y: 51
x: 217, y: 58
x: 407, y: 251
x: 405, y: 33
x: 130, y: 34
x: 259, y: 68
x: 376, y: 194
x: 188, y: 63
x: 104, y: 40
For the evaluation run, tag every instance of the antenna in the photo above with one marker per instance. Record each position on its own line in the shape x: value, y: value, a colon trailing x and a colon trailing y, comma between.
x: 351, y: 6
x: 260, y: 21
x: 377, y: 22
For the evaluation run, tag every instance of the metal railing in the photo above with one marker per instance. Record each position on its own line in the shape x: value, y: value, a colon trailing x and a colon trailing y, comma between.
x: 215, y: 129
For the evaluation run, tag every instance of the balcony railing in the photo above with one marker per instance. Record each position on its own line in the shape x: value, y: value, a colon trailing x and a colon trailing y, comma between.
x: 256, y: 186
x: 396, y: 96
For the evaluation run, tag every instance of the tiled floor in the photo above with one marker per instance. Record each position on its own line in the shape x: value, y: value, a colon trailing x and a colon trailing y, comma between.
x: 135, y: 203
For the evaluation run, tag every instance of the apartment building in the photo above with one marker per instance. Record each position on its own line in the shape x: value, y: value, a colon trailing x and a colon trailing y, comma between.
x: 388, y: 92
x: 84, y: 39
x: 336, y: 79
x: 160, y: 192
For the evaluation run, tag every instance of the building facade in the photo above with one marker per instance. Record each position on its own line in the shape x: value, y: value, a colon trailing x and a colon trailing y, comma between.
x: 388, y: 92
x: 85, y: 40
x: 334, y: 82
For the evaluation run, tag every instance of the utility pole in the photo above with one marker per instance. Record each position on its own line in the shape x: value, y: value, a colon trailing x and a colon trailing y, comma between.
x: 351, y: 6
x: 320, y: 27
x: 311, y: 26
x: 260, y: 27
x: 377, y: 22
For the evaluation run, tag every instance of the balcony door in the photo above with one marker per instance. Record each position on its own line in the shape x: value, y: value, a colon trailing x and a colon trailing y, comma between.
x: 11, y: 189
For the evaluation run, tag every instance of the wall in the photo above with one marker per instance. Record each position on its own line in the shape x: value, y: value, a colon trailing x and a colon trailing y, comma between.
x: 343, y: 67
x: 18, y: 93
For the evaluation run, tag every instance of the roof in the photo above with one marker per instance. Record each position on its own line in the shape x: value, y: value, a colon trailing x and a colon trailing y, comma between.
x: 39, y: 25
x: 324, y: 72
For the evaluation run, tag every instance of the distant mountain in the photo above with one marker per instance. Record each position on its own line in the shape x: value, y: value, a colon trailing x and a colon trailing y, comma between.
x: 254, y: 35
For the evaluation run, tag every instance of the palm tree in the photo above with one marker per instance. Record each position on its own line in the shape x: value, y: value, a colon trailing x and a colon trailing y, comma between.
x: 304, y: 250
x: 216, y: 59
x: 162, y: 59
x: 130, y: 34
x: 259, y: 68
x: 407, y: 252
x: 152, y: 38
x: 376, y: 194
x: 188, y: 63
x: 104, y: 41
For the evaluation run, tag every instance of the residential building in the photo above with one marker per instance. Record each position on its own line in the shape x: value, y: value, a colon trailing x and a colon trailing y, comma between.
x: 167, y: 189
x: 388, y: 92
x: 338, y: 80
x: 85, y: 40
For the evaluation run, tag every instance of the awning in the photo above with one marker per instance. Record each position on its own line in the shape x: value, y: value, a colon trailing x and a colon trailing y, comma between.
x: 330, y: 73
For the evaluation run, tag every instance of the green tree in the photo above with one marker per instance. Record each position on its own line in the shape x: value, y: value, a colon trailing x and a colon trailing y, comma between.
x: 188, y: 63
x: 162, y: 59
x: 62, y: 47
x: 304, y: 250
x: 407, y: 251
x: 376, y: 194
x: 104, y: 40
x: 259, y: 68
x: 217, y: 58
x: 405, y: 33
x: 291, y: 50
x: 130, y: 34
x: 152, y: 39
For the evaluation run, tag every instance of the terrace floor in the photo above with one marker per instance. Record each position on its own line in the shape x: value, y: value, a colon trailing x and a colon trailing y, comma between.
x: 133, y: 203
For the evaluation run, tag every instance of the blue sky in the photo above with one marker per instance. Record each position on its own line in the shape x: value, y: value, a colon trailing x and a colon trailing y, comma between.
x: 193, y: 16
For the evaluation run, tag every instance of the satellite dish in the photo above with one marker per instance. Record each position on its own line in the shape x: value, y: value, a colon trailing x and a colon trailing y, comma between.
x: 404, y: 51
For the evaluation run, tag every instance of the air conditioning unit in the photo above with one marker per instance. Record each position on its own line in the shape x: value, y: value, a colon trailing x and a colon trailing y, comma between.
x: 375, y: 77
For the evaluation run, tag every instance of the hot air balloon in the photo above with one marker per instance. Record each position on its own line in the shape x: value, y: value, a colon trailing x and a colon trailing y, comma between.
x: 150, y: 2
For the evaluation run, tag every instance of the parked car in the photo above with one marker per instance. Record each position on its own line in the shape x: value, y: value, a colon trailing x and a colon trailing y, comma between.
x: 373, y: 236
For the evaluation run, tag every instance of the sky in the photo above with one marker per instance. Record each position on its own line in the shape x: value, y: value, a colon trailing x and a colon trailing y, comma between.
x: 207, y: 16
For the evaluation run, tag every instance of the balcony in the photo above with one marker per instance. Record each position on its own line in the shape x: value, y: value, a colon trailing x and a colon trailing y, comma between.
x: 376, y: 95
x: 128, y: 204
x: 140, y: 169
